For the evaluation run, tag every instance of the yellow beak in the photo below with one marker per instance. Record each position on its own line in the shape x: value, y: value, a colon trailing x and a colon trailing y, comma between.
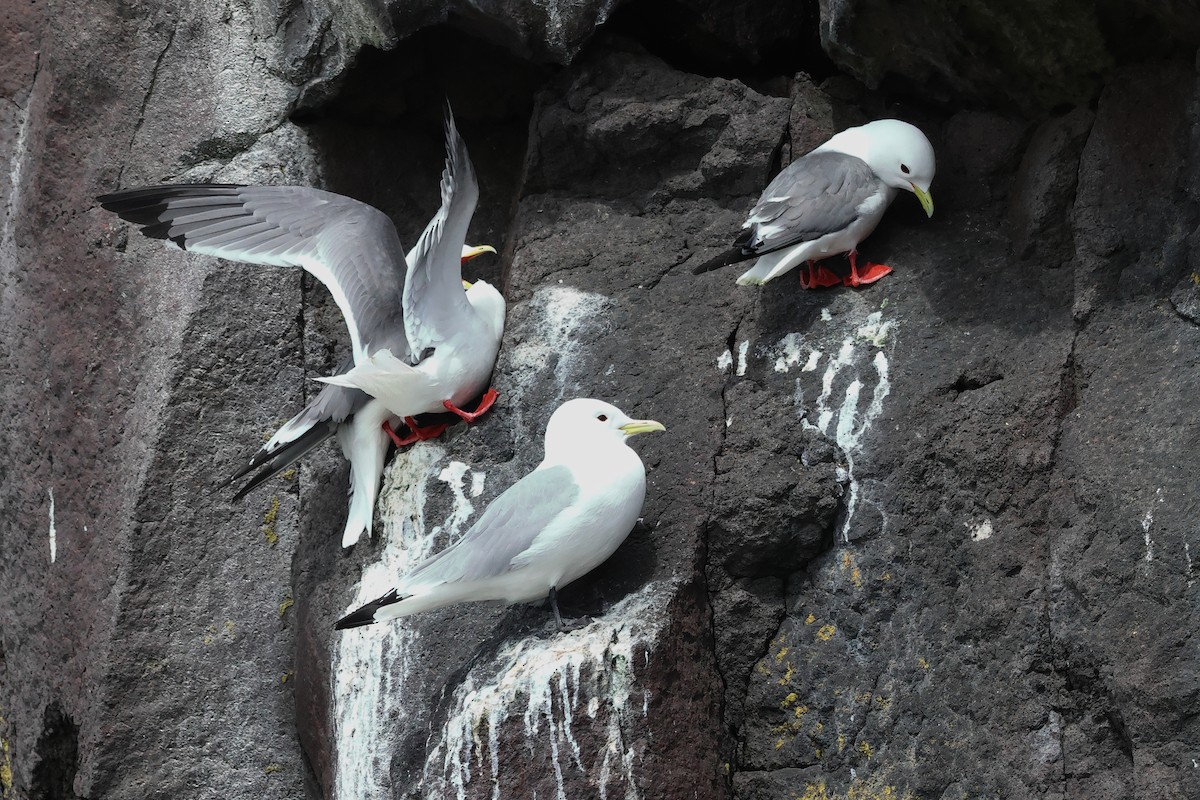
x: 925, y: 197
x: 474, y: 252
x: 466, y: 286
x: 642, y: 426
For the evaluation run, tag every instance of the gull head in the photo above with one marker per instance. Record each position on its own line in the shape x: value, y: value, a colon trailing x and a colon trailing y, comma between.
x: 897, y: 152
x: 586, y: 423
x: 470, y: 251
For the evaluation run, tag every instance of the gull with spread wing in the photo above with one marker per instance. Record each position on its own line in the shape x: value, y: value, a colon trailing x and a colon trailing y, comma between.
x: 391, y: 304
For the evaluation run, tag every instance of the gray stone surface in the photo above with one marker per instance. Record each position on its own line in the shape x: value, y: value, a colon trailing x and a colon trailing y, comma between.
x: 929, y: 539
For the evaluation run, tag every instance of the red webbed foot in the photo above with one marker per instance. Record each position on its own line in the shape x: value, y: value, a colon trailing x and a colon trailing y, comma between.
x: 489, y: 398
x: 818, y: 277
x: 416, y: 432
x: 870, y: 274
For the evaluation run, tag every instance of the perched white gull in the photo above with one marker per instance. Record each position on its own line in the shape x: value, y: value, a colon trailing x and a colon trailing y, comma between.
x: 390, y: 303
x: 829, y: 200
x: 554, y: 525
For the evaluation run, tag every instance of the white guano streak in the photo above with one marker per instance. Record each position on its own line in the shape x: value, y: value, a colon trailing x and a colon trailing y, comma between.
x: 53, y: 531
x: 552, y: 332
x: 370, y: 663
x: 851, y: 424
x: 556, y: 681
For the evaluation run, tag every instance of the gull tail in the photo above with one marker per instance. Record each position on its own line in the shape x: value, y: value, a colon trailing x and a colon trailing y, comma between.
x: 380, y: 375
x: 281, y: 457
x: 365, y: 446
x: 365, y: 615
x: 771, y: 265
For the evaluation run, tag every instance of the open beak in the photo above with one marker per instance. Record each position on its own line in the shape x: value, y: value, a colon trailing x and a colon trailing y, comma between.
x: 474, y: 252
x: 642, y: 426
x: 925, y: 197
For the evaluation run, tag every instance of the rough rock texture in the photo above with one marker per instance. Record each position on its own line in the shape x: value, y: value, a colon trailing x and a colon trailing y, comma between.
x: 929, y: 539
x: 1027, y: 55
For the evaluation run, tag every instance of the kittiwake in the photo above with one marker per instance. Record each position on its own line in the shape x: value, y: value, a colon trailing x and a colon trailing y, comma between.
x: 554, y: 525
x: 415, y: 310
x: 829, y: 200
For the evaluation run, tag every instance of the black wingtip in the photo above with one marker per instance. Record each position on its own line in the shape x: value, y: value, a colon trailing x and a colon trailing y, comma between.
x: 366, y: 614
x: 731, y: 256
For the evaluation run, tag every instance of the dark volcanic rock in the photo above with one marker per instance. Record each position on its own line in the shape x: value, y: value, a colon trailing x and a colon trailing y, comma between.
x: 929, y: 539
x: 777, y: 489
x: 1025, y: 55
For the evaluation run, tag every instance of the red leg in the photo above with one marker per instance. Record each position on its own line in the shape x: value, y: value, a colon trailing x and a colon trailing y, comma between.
x: 870, y: 274
x: 489, y: 397
x: 416, y: 432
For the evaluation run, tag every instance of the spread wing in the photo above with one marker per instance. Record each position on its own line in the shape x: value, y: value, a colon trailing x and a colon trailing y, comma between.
x: 349, y: 246
x: 434, y: 300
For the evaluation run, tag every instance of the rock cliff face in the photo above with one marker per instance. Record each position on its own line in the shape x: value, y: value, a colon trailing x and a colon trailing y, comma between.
x: 929, y: 539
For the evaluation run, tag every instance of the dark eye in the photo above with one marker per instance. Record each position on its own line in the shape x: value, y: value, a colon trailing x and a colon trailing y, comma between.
x: 603, y: 418
x: 904, y: 168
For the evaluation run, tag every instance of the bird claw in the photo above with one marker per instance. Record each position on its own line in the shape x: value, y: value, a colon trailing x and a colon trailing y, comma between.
x: 489, y: 398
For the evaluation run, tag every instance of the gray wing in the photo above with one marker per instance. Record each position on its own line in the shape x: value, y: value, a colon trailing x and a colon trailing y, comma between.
x: 505, y: 530
x: 332, y: 406
x: 817, y: 194
x: 434, y: 300
x: 349, y: 246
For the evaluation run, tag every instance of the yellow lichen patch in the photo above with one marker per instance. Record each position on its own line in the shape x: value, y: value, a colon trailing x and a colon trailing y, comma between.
x: 782, y: 654
x: 815, y: 791
x: 845, y: 560
x: 810, y: 619
x: 885, y: 577
x: 287, y: 676
x: 269, y: 522
x: 211, y: 634
x: 863, y: 697
x: 865, y: 749
x: 787, y: 676
x: 762, y: 669
x: 289, y: 474
x: 801, y: 711
x: 287, y: 603
x: 858, y: 790
x: 779, y: 743
x: 883, y: 702
x: 856, y: 578
x: 6, y: 776
x: 826, y: 632
x: 787, y: 701
x: 271, y: 769
x: 817, y: 728
x: 841, y: 742
x: 864, y: 790
x: 923, y: 662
